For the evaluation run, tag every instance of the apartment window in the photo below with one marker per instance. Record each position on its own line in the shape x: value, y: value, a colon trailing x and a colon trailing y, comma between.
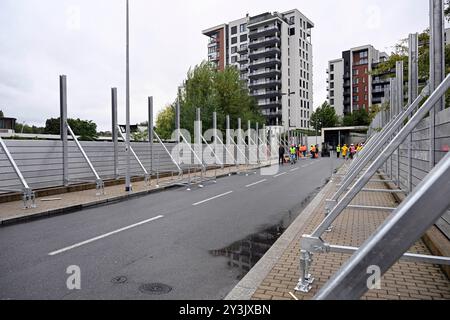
x: 355, y: 89
x: 243, y: 37
x: 233, y: 49
x: 363, y: 54
x: 234, y: 40
x: 332, y: 93
x: 234, y: 30
x: 233, y: 59
x: 292, y: 20
x: 332, y: 102
x: 331, y: 77
x: 332, y: 68
x: 292, y: 31
x: 355, y: 72
x: 355, y: 98
x: 243, y: 27
x: 355, y: 81
x: 332, y: 85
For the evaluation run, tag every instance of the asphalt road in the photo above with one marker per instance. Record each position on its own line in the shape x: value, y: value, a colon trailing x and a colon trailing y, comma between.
x: 160, y: 238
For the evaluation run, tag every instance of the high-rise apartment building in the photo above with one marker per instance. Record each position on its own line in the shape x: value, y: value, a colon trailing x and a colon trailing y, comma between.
x: 350, y: 84
x: 273, y: 53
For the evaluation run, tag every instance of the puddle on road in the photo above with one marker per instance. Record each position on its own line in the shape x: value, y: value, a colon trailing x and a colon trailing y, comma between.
x: 244, y: 254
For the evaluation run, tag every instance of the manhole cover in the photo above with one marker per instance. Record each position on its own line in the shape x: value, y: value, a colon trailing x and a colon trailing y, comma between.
x: 119, y: 280
x: 155, y: 288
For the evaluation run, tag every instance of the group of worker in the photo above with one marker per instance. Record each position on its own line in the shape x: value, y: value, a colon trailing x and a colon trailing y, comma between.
x: 297, y: 152
x: 348, y: 152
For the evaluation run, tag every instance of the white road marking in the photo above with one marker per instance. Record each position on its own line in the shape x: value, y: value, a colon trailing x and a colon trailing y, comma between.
x: 219, y: 196
x: 254, y: 184
x: 103, y: 236
x: 279, y: 175
x: 292, y: 170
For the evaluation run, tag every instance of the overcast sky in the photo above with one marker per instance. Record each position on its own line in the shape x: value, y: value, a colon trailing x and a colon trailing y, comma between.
x: 84, y: 39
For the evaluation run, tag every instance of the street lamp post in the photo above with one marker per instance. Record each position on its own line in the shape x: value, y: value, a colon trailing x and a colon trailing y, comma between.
x: 128, y: 187
x: 289, y: 120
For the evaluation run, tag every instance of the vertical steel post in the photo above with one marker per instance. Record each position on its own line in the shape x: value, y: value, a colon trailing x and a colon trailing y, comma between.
x: 413, y: 83
x: 257, y: 141
x: 177, y: 115
x: 437, y: 66
x: 128, y: 187
x: 63, y: 127
x: 150, y: 131
x: 400, y: 105
x: 114, y: 131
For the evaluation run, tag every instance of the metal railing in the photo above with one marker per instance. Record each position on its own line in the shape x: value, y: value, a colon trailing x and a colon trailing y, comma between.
x: 313, y: 243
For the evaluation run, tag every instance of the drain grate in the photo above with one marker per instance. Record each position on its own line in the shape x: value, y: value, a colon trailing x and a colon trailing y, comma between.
x: 119, y: 280
x: 155, y: 288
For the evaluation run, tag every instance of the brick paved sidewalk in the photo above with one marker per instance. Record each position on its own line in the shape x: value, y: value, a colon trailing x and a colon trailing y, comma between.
x: 12, y: 212
x: 277, y: 274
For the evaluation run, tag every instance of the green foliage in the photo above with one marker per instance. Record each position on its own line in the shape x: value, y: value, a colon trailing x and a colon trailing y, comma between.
x: 165, y: 122
x: 357, y: 118
x: 24, y: 128
x: 211, y: 90
x: 86, y: 129
x: 1, y: 114
x: 324, y: 117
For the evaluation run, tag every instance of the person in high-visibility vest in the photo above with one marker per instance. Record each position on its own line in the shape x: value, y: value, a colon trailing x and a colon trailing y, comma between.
x: 344, y: 151
x: 293, y: 153
x: 313, y: 152
x: 338, y: 151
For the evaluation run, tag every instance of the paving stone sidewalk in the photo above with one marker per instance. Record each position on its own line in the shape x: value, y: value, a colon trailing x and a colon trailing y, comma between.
x: 277, y: 274
x: 13, y: 212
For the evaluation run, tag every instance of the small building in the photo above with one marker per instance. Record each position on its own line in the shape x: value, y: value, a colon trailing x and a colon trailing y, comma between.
x: 344, y: 135
x: 7, y: 125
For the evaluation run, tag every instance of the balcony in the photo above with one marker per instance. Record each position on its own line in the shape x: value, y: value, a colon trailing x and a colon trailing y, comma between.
x: 212, y: 42
x: 264, y: 84
x: 214, y: 56
x: 266, y: 94
x: 261, y: 53
x: 264, y: 63
x: 264, y: 42
x: 243, y: 68
x: 264, y: 73
x: 243, y: 48
x: 272, y: 114
x: 269, y: 104
x: 243, y: 59
x: 263, y: 32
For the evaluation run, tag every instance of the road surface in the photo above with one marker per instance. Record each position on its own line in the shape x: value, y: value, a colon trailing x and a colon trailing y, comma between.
x: 160, y: 238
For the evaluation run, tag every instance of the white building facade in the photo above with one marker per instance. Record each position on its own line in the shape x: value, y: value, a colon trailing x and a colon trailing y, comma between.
x: 274, y: 54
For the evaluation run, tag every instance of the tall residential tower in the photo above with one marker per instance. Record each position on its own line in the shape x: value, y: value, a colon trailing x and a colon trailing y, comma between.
x: 273, y: 53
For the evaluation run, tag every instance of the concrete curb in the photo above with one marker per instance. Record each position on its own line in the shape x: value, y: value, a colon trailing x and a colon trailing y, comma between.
x: 245, y: 289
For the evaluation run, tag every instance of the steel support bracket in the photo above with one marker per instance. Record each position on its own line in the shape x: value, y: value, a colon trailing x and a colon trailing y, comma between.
x: 100, y: 186
x: 29, y: 198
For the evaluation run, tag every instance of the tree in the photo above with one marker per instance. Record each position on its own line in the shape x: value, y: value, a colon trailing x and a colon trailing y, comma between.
x: 324, y: 117
x: 86, y: 129
x: 357, y: 118
x: 1, y: 114
x: 165, y: 122
x: 214, y: 91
